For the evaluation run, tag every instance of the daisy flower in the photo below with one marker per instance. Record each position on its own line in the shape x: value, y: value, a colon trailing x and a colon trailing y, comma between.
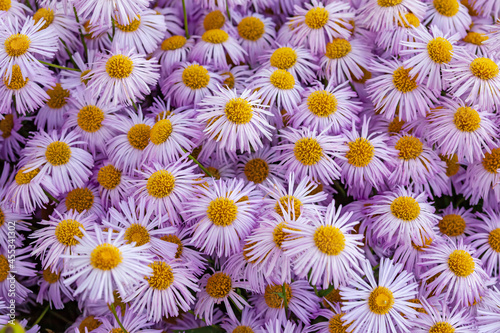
x: 223, y: 213
x: 250, y: 322
x: 73, y: 80
x: 140, y: 227
x: 144, y: 33
x: 237, y: 77
x: 456, y: 223
x: 130, y: 321
x: 122, y: 76
x: 190, y: 83
x: 57, y: 236
x: 170, y: 284
x: 362, y: 160
x: 485, y: 238
x: 280, y: 326
x: 326, y: 250
x: 476, y: 79
x: 11, y: 139
x: 53, y: 289
x: 409, y: 255
x: 21, y: 45
x: 448, y: 15
x: 344, y: 60
x: 172, y: 51
x: 259, y: 166
x: 277, y: 88
x: 488, y: 312
x: 214, y: 46
x: 443, y: 319
x: 456, y: 128
x: 102, y: 263
x: 474, y: 41
x: 318, y: 24
x: 402, y: 217
x: 113, y: 183
x: 391, y: 39
x: 56, y: 155
x: 166, y: 187
x: 216, y: 288
x: 378, y: 15
x: 102, y: 13
x: 13, y: 10
x: 256, y: 34
x: 51, y: 115
x: 380, y: 306
x: 214, y: 19
x: 235, y: 121
x: 297, y: 60
x: 307, y: 153
x: 335, y: 322
x: 82, y: 199
x: 300, y: 297
x: 429, y: 53
x: 326, y: 108
x: 396, y: 91
x: 126, y: 148
x: 454, y: 272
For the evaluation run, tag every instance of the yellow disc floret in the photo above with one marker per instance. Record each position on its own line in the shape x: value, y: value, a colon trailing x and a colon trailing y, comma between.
x: 461, y: 263
x: 222, y: 212
x: 337, y: 325
x: 90, y: 118
x: 256, y: 170
x: 4, y: 268
x: 494, y: 239
x: 17, y: 81
x: 215, y: 36
x: 138, y: 136
x: 409, y: 147
x: 442, y: 327
x: 119, y: 66
x: 475, y: 38
x: 109, y: 177
x: 484, y: 68
x: 5, y: 5
x: 322, y: 103
x: 272, y: 297
x: 251, y: 28
x: 285, y: 202
x: 238, y: 111
x: 66, y: 231
x: 195, y: 77
x: 360, y: 152
x: 46, y: 14
x: 282, y: 79
x: 214, y: 20
x: 308, y: 151
x: 163, y: 275
x: 388, y: 3
x: 403, y: 81
x: 58, y: 153
x: 219, y: 285
x: 338, y: 48
x: 17, y: 45
x: 440, y: 50
x: 23, y: 178
x: 6, y: 125
x: 380, y: 301
x: 173, y: 43
x: 491, y: 161
x: 138, y: 234
x: 316, y: 18
x: 131, y: 27
x: 171, y: 238
x: 160, y: 184
x: 57, y: 97
x: 105, y: 257
x: 405, y: 208
x: 161, y: 131
x: 452, y: 225
x: 447, y: 8
x: 283, y: 58
x: 80, y: 199
x: 329, y: 240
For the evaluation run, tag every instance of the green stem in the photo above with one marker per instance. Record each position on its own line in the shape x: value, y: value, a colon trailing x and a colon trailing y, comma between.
x: 133, y: 104
x: 199, y: 164
x: 285, y: 301
x: 81, y: 34
x: 41, y: 316
x: 340, y: 188
x: 28, y: 4
x: 227, y: 10
x: 185, y: 18
x: 61, y: 67
x: 69, y: 53
x: 51, y: 197
x: 112, y: 307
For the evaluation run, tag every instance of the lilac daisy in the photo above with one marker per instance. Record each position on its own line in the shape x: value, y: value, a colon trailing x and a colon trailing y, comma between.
x: 217, y: 47
x: 259, y: 166
x: 485, y: 238
x: 53, y: 289
x: 378, y: 15
x: 443, y: 319
x: 114, y: 184
x: 448, y: 15
x: 51, y: 115
x: 172, y: 51
x: 256, y: 34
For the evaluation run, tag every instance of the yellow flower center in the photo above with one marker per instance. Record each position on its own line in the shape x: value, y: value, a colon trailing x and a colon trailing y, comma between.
x: 256, y: 170
x: 79, y: 199
x: 229, y: 81
x: 491, y: 161
x: 105, y: 257
x: 215, y: 36
x: 452, y: 225
x: 17, y: 81
x: 484, y: 68
x: 161, y: 131
x: 44, y: 13
x: 329, y: 240
x: 272, y: 297
x: 381, y: 301
x: 279, y: 235
x: 138, y: 136
x: 82, y: 77
x: 452, y: 165
x: 251, y: 28
x: 467, y: 119
x: 442, y: 327
x: 308, y: 151
x: 162, y: 277
x: 338, y: 48
x: 238, y: 111
x: 214, y: 172
x: 17, y: 45
x: 173, y: 43
x: 388, y: 3
x: 214, y: 20
x: 160, y: 184
x: 58, y: 153
x: 66, y: 231
x: 222, y: 212
x: 475, y: 38
x: 322, y: 103
x: 119, y: 66
x: 332, y: 297
x: 132, y: 26
x: 337, y: 325
x: 472, y: 11
x: 409, y: 147
x: 171, y: 238
x: 23, y: 178
x: 287, y: 201
x: 50, y: 276
x: 461, y: 263
x: 360, y: 152
x: 195, y: 77
x: 89, y: 323
x: 6, y: 125
x: 411, y: 21
x: 109, y: 177
x: 282, y: 79
x: 5, y: 4
x: 57, y: 97
x: 283, y: 58
x: 403, y: 81
x: 317, y: 17
x: 138, y: 234
x: 446, y: 7
x: 243, y: 329
x: 440, y: 50
x: 90, y: 118
x: 405, y: 208
x: 4, y: 268
x: 116, y: 330
x: 219, y: 285
x: 494, y: 239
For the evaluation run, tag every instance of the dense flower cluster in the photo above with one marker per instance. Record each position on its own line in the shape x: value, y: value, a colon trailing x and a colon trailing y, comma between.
x: 250, y: 166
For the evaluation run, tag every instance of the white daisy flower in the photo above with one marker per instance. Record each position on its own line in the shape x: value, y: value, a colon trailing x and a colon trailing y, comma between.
x: 217, y: 47
x: 256, y: 34
x: 172, y: 51
x: 13, y: 10
x: 448, y: 15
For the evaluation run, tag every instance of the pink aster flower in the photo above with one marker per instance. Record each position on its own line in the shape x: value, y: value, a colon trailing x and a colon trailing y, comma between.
x: 172, y: 51
x: 53, y: 289
x: 214, y: 46
x: 101, y: 13
x: 379, y: 15
x: 259, y: 166
x: 114, y: 183
x: 52, y: 113
x: 485, y: 238
x: 456, y: 223
x: 256, y: 34
x: 442, y: 317
x: 452, y: 17
x: 10, y: 139
x: 250, y: 320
